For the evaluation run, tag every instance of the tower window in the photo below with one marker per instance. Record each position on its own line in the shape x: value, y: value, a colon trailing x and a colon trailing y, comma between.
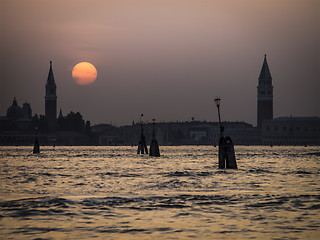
x: 276, y: 128
x: 284, y: 128
x: 262, y: 92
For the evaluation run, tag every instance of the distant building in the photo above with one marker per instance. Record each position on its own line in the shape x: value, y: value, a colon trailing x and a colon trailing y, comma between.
x: 14, y: 111
x: 208, y: 133
x: 177, y: 133
x: 291, y: 131
x: 17, y: 119
x: 16, y: 127
x: 26, y: 110
x: 265, y: 94
x: 51, y: 101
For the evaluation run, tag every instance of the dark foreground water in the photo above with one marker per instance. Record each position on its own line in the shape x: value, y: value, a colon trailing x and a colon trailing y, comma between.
x: 113, y: 193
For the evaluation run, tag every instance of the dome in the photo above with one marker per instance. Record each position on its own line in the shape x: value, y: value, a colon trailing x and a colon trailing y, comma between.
x: 14, y: 111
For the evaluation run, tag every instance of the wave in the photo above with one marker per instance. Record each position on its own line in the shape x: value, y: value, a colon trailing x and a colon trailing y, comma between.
x: 159, y: 201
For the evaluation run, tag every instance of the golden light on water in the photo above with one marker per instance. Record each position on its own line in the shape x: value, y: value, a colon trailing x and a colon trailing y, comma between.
x: 85, y: 192
x: 84, y: 73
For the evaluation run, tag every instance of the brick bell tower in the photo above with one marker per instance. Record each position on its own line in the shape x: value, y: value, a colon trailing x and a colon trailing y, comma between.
x: 51, y: 101
x: 265, y: 94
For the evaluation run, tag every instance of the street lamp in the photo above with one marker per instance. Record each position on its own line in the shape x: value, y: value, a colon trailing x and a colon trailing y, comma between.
x: 141, y: 124
x: 217, y: 101
x: 153, y: 129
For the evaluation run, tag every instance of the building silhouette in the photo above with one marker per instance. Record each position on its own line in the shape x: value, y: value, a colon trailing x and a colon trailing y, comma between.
x: 14, y: 112
x: 291, y: 131
x: 265, y: 94
x: 26, y: 110
x: 51, y: 101
x: 18, y: 126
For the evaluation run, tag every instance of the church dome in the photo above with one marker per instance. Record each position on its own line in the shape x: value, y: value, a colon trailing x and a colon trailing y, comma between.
x: 14, y: 111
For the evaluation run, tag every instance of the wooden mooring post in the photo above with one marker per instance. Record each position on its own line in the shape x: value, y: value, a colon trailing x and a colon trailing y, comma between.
x: 154, y: 146
x: 36, y: 146
x: 227, y: 157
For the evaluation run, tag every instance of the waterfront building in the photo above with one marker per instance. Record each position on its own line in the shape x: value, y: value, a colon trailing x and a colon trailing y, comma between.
x: 291, y: 131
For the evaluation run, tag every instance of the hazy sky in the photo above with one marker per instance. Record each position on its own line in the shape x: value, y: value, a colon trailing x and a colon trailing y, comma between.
x: 167, y: 59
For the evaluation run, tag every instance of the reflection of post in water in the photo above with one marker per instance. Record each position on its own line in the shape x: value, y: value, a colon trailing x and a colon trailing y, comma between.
x: 142, y: 146
x: 36, y: 146
x: 227, y: 158
x: 154, y: 147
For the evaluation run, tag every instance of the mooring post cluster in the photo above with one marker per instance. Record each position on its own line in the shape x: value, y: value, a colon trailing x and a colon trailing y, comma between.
x: 154, y: 146
x: 227, y: 158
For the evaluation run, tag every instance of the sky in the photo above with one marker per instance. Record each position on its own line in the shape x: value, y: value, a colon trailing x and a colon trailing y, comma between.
x: 167, y: 59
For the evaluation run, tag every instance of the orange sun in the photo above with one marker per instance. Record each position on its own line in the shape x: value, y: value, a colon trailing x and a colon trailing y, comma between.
x: 84, y: 73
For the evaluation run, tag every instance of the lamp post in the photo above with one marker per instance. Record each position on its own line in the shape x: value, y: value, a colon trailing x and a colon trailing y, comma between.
x: 227, y: 157
x: 36, y: 130
x: 217, y: 101
x: 153, y: 129
x: 141, y: 124
x: 222, y: 151
x: 142, y: 146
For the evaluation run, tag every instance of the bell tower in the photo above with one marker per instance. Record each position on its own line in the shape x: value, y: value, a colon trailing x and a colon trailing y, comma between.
x: 265, y: 94
x: 51, y: 101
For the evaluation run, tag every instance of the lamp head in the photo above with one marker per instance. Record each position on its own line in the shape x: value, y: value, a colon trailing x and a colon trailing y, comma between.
x: 217, y: 101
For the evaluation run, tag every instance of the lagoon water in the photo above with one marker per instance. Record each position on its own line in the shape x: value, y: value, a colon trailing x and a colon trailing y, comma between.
x: 113, y: 193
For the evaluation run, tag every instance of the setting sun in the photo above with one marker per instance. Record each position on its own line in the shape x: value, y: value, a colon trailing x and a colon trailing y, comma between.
x: 84, y: 73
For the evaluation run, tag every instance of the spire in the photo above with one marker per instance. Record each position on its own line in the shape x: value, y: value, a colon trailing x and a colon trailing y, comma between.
x: 265, y: 72
x: 50, y: 75
x: 51, y: 85
x: 14, y: 103
x: 60, y: 114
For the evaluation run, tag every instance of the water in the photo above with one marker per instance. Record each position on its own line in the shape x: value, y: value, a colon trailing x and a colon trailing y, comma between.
x: 113, y: 193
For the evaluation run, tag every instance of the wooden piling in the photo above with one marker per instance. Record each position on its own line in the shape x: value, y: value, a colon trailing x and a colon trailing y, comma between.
x: 230, y: 155
x: 222, y: 157
x: 36, y: 146
x: 227, y: 158
x: 154, y: 146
